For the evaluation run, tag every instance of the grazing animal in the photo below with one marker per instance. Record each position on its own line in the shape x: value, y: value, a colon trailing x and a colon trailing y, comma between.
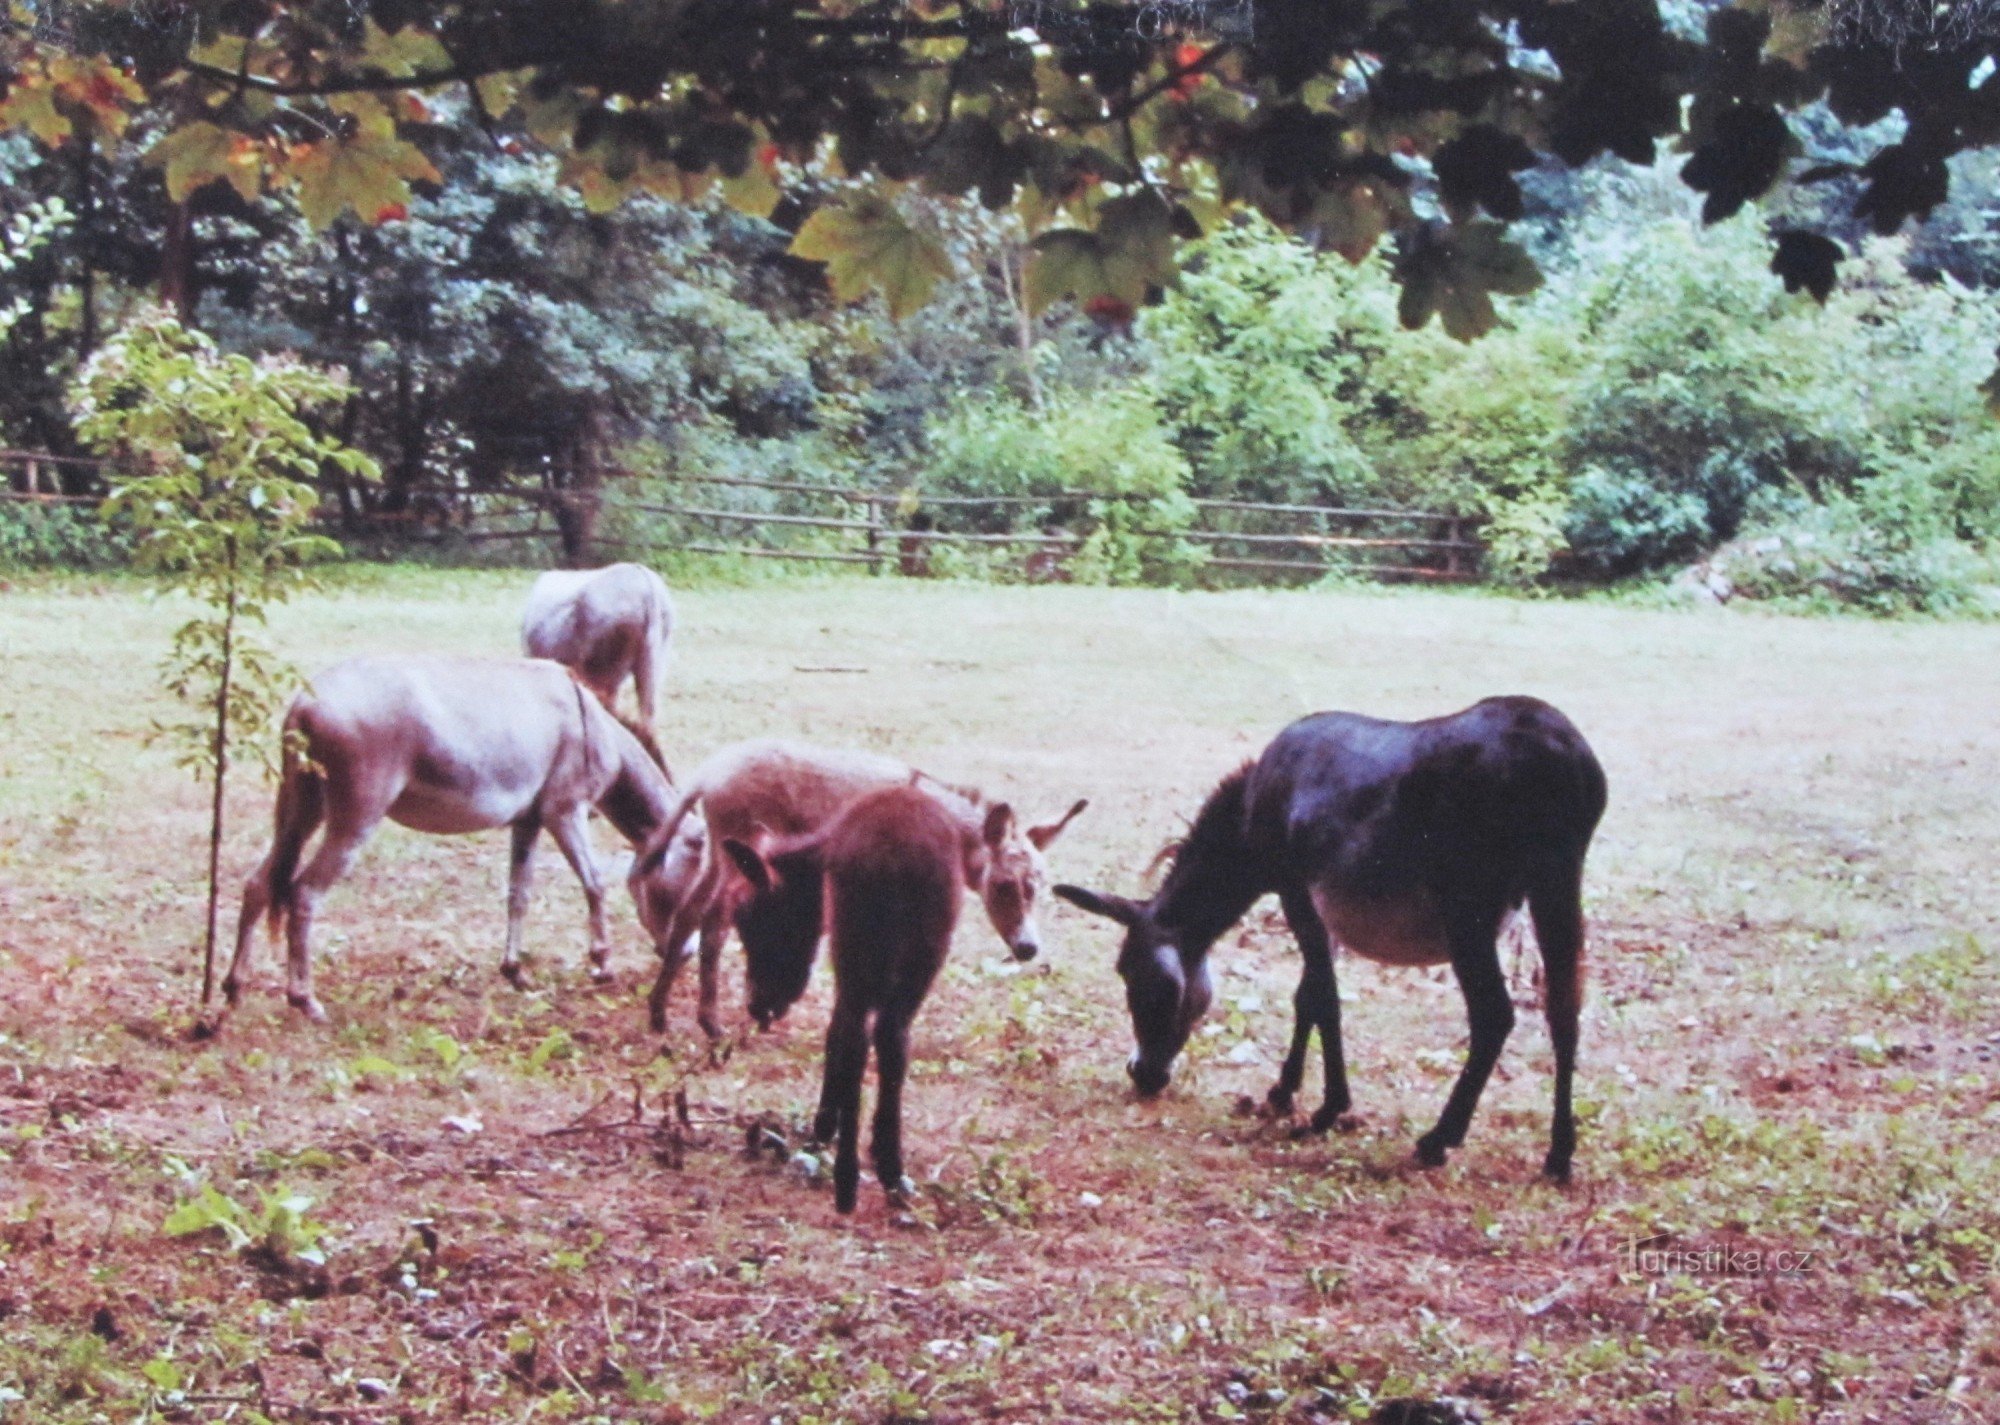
x: 887, y: 876
x: 791, y: 789
x: 445, y: 745
x: 604, y: 625
x: 1407, y: 842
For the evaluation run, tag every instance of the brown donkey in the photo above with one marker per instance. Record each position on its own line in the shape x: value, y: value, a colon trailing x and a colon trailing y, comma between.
x: 887, y: 876
x: 791, y: 789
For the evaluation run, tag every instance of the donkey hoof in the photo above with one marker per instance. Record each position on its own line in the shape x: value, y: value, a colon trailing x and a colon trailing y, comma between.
x: 516, y: 974
x: 1556, y: 1169
x: 232, y: 992
x: 1431, y: 1154
x: 1278, y: 1103
x: 309, y: 1006
x: 602, y: 974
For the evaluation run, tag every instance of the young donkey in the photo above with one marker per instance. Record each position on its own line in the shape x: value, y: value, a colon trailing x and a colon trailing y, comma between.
x: 790, y: 789
x: 886, y: 878
x: 1407, y: 842
x: 604, y: 625
x: 446, y: 745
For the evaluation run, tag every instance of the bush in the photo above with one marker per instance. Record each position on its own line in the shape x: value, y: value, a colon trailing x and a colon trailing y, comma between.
x: 1280, y: 370
x: 1107, y: 444
x: 59, y: 537
x: 1832, y: 556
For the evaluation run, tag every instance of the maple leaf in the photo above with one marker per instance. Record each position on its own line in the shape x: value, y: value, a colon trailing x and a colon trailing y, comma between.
x: 200, y: 153
x: 868, y: 246
x: 368, y: 172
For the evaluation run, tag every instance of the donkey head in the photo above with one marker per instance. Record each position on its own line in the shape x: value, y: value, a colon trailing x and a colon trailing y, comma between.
x: 668, y: 876
x: 1016, y: 875
x: 1166, y: 989
x: 779, y: 922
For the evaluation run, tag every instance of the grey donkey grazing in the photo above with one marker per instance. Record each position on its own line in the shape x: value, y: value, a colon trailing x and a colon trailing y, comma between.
x: 446, y: 745
x: 605, y: 625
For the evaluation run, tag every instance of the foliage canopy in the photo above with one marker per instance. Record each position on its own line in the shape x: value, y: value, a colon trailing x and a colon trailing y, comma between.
x: 1112, y: 129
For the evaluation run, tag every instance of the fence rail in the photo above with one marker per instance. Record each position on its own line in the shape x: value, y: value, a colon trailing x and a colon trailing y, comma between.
x: 884, y: 529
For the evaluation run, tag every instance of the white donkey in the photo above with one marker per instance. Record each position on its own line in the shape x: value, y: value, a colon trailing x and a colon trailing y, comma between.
x: 446, y: 745
x: 605, y: 625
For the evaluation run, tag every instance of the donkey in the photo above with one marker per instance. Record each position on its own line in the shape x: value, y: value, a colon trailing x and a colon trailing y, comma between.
x: 446, y: 745
x: 1407, y: 842
x: 604, y: 625
x: 888, y: 874
x: 790, y: 789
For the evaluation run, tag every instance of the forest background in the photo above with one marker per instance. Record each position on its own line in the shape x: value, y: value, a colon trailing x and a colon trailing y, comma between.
x: 1658, y: 400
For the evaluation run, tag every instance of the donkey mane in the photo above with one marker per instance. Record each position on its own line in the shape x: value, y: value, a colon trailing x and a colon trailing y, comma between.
x: 1217, y: 828
x: 643, y: 735
x: 968, y: 794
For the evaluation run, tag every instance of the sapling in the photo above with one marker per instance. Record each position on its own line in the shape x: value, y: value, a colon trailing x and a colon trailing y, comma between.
x: 214, y: 456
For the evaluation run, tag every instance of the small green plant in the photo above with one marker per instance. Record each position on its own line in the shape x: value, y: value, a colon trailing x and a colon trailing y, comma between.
x: 216, y: 455
x: 278, y: 1226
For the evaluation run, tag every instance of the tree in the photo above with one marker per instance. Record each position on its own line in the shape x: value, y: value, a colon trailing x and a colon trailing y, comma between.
x: 1113, y: 129
x: 216, y: 454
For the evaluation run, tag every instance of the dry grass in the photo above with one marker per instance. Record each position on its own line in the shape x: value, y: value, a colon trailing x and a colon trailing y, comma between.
x: 1785, y: 1048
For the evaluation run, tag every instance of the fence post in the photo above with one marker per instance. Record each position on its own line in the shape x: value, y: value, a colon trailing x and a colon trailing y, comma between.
x: 34, y: 476
x: 1451, y: 565
x: 874, y: 534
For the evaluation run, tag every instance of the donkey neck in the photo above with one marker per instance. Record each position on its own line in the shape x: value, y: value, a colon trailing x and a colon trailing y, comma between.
x: 1216, y: 876
x: 640, y: 798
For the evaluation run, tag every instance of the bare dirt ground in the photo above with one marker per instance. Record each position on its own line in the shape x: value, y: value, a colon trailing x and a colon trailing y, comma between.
x: 462, y: 1202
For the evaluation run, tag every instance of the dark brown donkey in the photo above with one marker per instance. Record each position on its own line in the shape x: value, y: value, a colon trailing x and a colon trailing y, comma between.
x: 1407, y: 842
x: 887, y: 875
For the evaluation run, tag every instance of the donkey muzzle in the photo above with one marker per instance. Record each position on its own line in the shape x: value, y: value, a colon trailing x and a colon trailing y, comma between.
x: 1146, y: 1078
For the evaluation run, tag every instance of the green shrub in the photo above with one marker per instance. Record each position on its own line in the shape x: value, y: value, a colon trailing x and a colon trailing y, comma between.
x: 36, y: 536
x: 1282, y: 372
x: 1833, y: 556
x: 1101, y: 460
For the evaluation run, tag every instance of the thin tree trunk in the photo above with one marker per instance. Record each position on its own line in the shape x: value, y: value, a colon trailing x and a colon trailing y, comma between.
x: 221, y: 756
x: 177, y: 263
x: 86, y: 276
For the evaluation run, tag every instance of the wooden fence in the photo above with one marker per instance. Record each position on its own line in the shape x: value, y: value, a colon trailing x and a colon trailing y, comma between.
x: 885, y: 530
x: 888, y: 528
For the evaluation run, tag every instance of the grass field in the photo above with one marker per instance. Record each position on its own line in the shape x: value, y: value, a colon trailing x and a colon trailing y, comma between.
x: 462, y: 1202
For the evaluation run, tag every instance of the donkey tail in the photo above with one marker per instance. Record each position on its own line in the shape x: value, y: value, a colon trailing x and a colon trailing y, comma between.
x: 301, y: 803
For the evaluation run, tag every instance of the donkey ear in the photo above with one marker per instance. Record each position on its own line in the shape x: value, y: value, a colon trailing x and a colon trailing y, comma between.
x: 750, y: 861
x: 999, y: 821
x: 1049, y: 831
x: 1111, y: 907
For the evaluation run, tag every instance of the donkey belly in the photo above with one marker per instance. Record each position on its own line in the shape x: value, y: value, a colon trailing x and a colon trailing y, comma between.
x: 448, y: 804
x: 1407, y: 931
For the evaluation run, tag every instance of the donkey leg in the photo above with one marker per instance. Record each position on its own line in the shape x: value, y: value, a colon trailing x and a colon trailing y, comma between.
x: 328, y: 865
x: 1558, y: 911
x: 672, y: 957
x: 846, y: 1055
x: 840, y: 1099
x: 256, y: 902
x: 892, y: 1062
x: 520, y: 888
x: 1316, y: 1005
x: 1489, y: 1012
x: 573, y: 838
x: 714, y: 933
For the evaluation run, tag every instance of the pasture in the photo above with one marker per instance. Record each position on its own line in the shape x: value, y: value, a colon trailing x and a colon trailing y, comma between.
x: 459, y: 1201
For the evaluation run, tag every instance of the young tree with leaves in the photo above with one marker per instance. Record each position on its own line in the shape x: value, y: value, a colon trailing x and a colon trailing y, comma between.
x: 216, y: 456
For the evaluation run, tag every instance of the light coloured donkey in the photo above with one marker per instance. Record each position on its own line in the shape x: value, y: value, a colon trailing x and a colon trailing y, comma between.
x: 685, y: 885
x: 605, y: 625
x: 446, y: 745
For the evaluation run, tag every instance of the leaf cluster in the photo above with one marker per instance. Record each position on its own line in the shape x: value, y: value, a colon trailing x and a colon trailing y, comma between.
x: 1113, y: 136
